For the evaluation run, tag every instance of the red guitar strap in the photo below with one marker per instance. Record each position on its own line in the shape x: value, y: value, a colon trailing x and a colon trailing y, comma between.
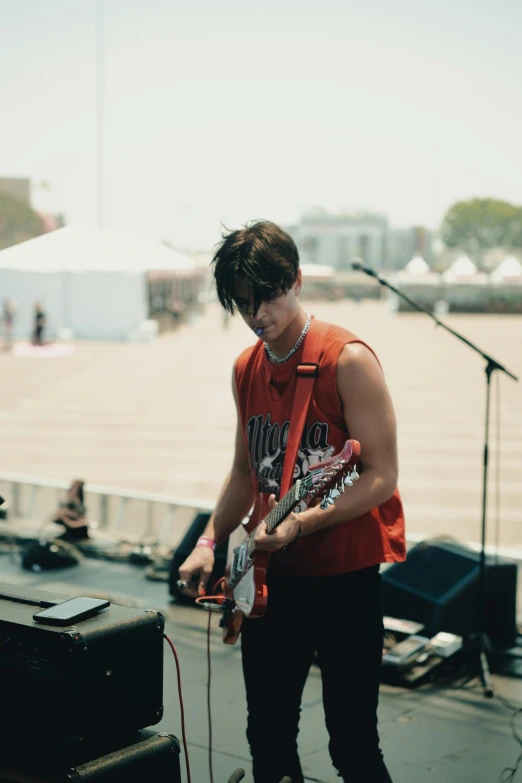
x: 307, y: 371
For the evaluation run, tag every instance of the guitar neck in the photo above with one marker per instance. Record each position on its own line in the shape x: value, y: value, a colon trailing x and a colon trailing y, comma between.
x: 280, y: 512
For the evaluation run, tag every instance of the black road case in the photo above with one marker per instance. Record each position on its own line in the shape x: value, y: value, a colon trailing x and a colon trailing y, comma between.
x: 143, y: 757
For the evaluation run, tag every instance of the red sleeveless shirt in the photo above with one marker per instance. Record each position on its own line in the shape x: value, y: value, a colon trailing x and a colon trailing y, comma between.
x: 265, y: 396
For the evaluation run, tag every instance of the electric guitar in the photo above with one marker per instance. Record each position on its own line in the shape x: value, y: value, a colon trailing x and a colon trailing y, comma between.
x: 246, y: 592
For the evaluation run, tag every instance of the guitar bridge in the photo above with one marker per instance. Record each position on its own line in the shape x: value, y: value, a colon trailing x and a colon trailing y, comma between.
x: 240, y: 564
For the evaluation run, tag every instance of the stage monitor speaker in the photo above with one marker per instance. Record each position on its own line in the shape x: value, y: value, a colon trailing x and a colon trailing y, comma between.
x: 185, y: 548
x: 438, y: 585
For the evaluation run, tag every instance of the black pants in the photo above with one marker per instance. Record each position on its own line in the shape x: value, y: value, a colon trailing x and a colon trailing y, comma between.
x: 340, y: 618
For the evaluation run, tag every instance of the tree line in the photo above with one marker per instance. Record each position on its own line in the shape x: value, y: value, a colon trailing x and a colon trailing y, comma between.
x: 481, y: 224
x: 474, y: 226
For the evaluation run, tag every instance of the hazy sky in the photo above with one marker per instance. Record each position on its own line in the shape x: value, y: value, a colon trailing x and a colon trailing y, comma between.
x: 222, y: 110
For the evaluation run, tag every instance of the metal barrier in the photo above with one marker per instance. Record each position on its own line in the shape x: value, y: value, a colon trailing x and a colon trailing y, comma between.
x: 22, y: 493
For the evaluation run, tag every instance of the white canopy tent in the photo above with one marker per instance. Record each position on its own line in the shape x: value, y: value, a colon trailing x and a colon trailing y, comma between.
x: 464, y: 270
x: 417, y: 272
x: 418, y: 281
x: 509, y: 270
x: 90, y: 281
x: 417, y: 266
x: 465, y: 288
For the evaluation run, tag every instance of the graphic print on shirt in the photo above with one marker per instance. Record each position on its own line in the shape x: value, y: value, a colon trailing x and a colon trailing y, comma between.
x: 267, y: 447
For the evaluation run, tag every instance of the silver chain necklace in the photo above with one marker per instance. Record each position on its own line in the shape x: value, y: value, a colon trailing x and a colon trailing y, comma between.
x: 300, y: 339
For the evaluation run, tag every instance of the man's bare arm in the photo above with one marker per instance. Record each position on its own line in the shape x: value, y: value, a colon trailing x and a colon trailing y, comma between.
x: 370, y: 419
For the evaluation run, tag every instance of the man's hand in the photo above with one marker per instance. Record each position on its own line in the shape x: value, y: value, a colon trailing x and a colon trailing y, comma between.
x: 284, y: 534
x: 196, y: 570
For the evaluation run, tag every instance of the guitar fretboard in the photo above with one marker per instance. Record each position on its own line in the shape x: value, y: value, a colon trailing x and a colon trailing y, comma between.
x: 282, y: 509
x: 276, y: 516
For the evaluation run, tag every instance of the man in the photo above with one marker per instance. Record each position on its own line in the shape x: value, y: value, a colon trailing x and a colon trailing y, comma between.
x: 323, y: 579
x: 39, y: 324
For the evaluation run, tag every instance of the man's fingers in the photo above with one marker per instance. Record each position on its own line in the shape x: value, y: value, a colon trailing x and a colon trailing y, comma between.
x: 186, y: 575
x: 188, y: 582
x: 204, y: 576
x: 281, y: 536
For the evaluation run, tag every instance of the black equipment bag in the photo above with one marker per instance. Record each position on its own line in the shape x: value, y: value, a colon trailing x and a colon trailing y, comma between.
x: 49, y: 555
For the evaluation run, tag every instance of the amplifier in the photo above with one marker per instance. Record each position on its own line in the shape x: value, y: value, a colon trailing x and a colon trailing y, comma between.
x: 141, y: 756
x: 69, y: 683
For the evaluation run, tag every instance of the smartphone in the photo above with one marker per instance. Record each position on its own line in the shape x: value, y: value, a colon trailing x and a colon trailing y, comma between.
x: 71, y: 611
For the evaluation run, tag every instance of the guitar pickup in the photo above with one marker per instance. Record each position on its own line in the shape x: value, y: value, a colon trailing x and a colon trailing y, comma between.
x: 233, y: 571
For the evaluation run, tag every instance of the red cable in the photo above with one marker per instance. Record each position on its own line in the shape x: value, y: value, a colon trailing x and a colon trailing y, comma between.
x: 204, y: 598
x: 211, y: 772
x: 182, y: 708
x: 219, y: 599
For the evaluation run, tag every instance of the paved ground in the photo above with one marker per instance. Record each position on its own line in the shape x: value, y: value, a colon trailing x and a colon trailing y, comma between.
x: 437, y: 734
x: 160, y: 416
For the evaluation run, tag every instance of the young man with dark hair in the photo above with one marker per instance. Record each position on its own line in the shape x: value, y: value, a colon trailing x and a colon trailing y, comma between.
x: 323, y: 579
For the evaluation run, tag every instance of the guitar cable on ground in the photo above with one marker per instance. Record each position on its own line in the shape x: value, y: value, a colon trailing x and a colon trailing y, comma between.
x: 211, y: 607
x: 181, y: 706
x: 203, y: 601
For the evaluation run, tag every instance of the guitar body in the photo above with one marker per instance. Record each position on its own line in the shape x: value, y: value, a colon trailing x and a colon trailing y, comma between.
x: 246, y: 592
x: 248, y: 595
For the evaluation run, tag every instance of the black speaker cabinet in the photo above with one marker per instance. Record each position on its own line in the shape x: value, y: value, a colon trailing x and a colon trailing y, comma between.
x: 76, y: 681
x: 185, y: 548
x: 143, y: 757
x: 438, y: 586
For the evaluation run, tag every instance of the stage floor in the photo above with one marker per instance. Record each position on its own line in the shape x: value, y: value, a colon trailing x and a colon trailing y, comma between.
x: 441, y: 734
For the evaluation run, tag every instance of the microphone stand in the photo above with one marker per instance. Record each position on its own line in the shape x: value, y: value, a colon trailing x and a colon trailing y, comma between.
x: 483, y: 643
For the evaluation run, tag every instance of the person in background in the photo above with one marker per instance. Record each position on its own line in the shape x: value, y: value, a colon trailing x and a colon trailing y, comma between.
x: 39, y: 324
x: 8, y: 314
x: 72, y: 513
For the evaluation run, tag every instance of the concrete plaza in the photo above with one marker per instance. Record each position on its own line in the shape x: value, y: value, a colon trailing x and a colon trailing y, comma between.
x: 160, y: 417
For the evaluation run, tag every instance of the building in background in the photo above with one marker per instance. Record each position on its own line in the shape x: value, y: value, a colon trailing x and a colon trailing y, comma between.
x: 336, y: 240
x: 403, y: 244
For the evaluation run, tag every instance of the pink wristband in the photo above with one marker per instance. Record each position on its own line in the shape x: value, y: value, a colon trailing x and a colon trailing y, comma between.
x: 204, y: 541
